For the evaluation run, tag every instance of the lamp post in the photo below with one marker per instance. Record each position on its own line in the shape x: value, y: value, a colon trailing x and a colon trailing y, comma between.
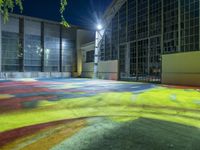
x: 98, y: 38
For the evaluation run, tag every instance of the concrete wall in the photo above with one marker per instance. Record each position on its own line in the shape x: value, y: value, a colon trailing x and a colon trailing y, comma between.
x: 87, y: 70
x: 87, y: 67
x: 83, y: 37
x: 181, y: 69
x: 9, y: 75
x: 108, y: 70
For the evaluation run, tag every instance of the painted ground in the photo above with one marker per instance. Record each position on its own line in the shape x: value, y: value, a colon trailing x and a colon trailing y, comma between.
x: 83, y: 114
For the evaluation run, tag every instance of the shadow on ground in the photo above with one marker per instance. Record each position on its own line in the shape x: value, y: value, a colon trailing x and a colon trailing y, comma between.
x: 141, y: 134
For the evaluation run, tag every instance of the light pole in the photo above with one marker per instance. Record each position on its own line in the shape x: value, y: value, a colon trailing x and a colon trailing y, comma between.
x: 98, y: 39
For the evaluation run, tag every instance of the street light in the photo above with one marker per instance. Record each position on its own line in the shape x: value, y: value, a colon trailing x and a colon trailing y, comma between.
x: 99, y: 27
x: 98, y: 40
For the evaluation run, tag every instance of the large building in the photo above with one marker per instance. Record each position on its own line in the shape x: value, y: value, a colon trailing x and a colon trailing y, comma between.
x: 143, y: 40
x: 33, y: 47
x: 139, y: 33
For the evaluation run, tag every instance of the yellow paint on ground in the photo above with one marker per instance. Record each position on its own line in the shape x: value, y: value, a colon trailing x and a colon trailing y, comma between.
x: 159, y: 103
x: 5, y: 96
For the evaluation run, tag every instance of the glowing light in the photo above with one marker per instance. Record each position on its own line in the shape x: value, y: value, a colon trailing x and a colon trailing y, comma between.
x: 99, y: 26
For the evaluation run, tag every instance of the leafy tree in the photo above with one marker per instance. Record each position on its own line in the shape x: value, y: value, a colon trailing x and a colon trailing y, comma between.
x: 7, y: 6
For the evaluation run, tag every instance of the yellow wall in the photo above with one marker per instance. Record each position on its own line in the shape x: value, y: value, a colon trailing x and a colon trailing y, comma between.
x: 83, y: 37
x: 108, y: 70
x: 88, y: 70
x: 181, y: 68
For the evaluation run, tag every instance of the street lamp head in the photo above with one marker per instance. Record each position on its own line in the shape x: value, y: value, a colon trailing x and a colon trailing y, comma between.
x: 99, y: 27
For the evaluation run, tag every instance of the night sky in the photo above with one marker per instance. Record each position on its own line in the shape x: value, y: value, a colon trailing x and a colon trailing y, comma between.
x: 84, y: 13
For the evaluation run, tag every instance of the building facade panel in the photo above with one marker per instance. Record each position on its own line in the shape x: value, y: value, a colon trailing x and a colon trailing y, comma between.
x: 68, y: 49
x: 10, y: 45
x: 123, y: 24
x: 115, y: 37
x: 189, y: 25
x: 170, y: 25
x: 32, y: 46
x: 108, y: 40
x: 51, y: 47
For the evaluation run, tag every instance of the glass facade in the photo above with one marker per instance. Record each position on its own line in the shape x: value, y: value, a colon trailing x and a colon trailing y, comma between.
x: 122, y: 23
x: 108, y: 43
x: 68, y: 48
x: 170, y: 25
x: 10, y: 52
x: 155, y: 17
x: 142, y: 19
x: 132, y: 20
x: 143, y: 30
x: 102, y: 49
x: 133, y: 59
x: 32, y: 53
x: 33, y: 46
x: 10, y: 45
x: 189, y: 25
x: 51, y: 48
x: 122, y: 59
x: 115, y: 36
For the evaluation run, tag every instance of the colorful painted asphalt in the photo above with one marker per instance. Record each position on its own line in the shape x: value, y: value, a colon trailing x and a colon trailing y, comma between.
x: 74, y: 113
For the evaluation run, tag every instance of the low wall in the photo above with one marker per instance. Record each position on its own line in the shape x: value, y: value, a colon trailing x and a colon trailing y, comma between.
x: 181, y: 69
x: 87, y: 70
x: 7, y: 75
x: 108, y: 70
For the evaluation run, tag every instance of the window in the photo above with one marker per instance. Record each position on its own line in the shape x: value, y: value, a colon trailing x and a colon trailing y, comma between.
x: 10, y: 51
x: 143, y: 58
x: 170, y: 26
x: 32, y: 53
x: 132, y: 20
x: 122, y: 23
x: 122, y: 56
x: 51, y: 48
x: 115, y: 36
x: 67, y: 54
x: 108, y: 43
x: 190, y: 25
x: 142, y: 19
x: 90, y: 56
x: 133, y: 59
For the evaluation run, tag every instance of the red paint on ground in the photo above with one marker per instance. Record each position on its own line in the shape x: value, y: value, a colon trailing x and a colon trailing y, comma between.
x: 182, y: 87
x: 9, y: 136
x: 13, y: 104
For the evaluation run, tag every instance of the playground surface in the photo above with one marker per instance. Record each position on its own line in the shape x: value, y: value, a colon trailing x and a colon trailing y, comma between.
x: 85, y: 114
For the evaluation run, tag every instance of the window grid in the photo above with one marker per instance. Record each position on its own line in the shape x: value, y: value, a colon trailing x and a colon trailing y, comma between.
x: 10, y: 51
x: 189, y: 25
x: 108, y: 43
x: 115, y: 37
x: 133, y: 59
x: 68, y: 46
x: 122, y: 23
x: 142, y: 30
x: 132, y: 20
x: 32, y: 53
x: 90, y: 56
x: 170, y: 26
